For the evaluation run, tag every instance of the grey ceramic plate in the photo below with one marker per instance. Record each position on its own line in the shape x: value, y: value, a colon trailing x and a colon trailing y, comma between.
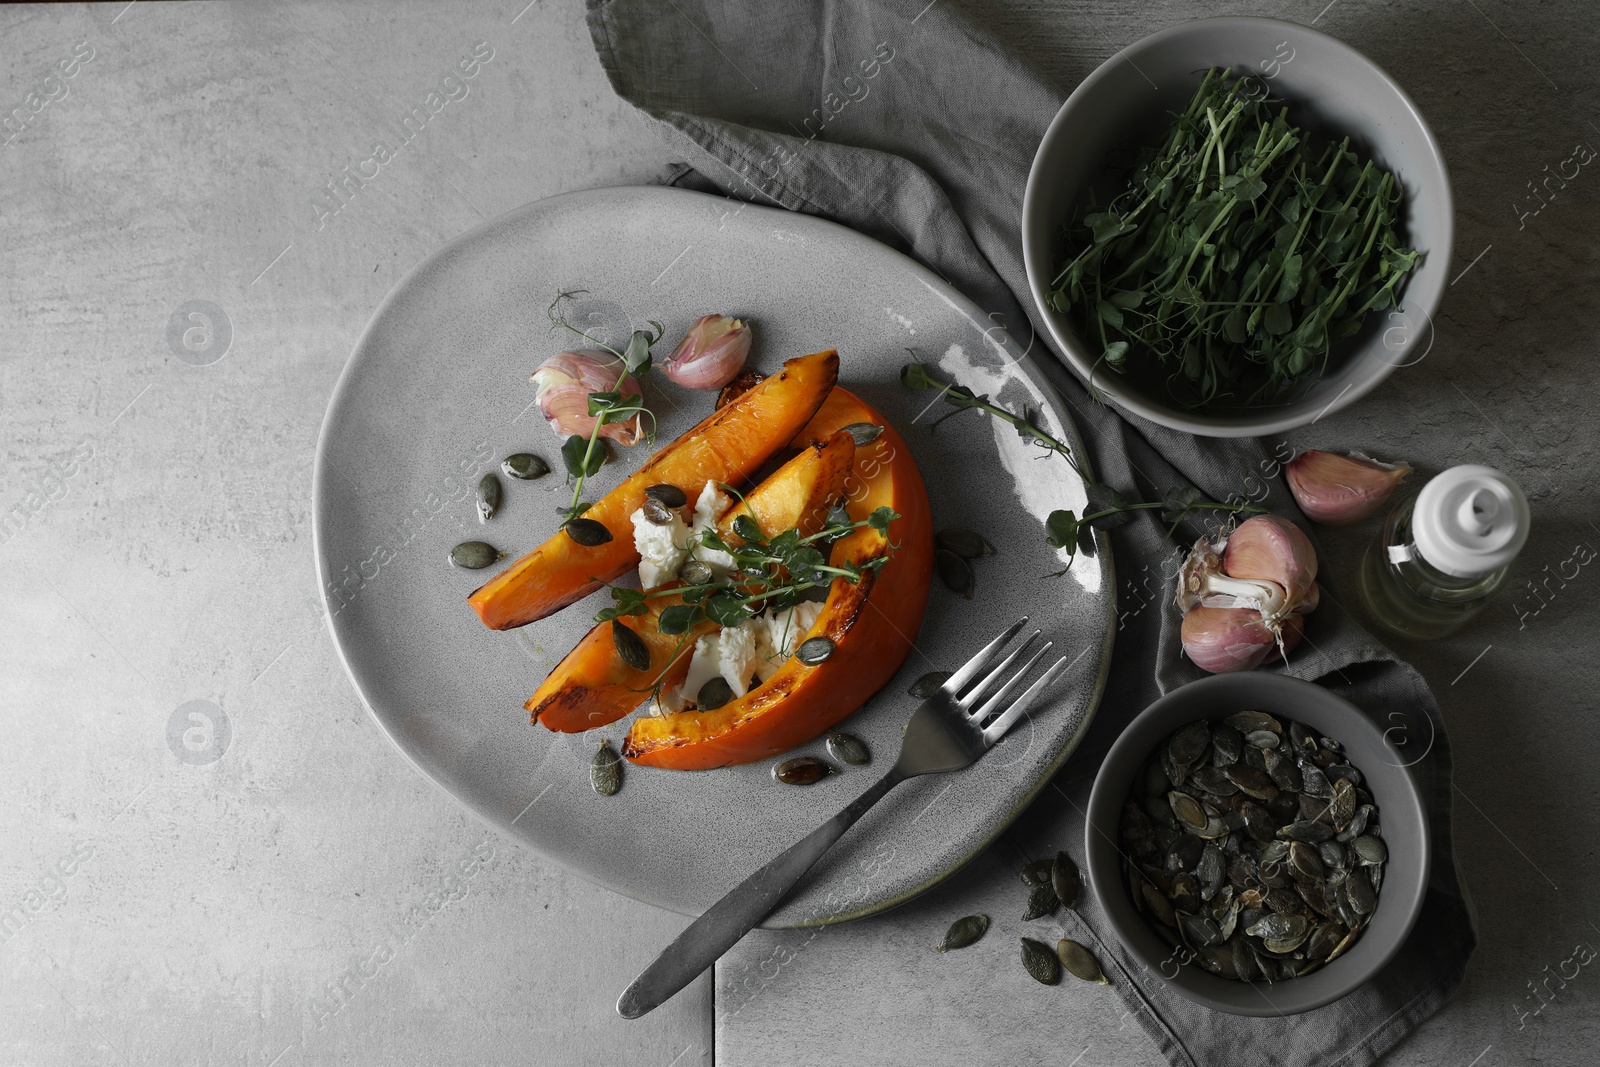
x: 437, y: 392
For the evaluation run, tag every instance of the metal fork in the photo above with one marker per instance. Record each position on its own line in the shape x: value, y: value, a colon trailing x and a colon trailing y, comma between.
x: 946, y: 733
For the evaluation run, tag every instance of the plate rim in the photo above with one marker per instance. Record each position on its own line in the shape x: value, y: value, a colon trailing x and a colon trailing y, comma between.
x: 963, y: 304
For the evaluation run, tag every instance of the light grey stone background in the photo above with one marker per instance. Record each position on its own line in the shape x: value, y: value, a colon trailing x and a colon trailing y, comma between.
x: 261, y: 878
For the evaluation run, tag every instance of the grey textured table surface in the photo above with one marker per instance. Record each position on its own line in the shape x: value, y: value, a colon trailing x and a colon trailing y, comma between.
x: 261, y: 879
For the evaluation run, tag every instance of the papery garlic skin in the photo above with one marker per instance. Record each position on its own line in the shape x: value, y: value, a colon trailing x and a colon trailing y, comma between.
x: 1340, y: 490
x: 711, y: 354
x: 564, y: 383
x: 1222, y: 640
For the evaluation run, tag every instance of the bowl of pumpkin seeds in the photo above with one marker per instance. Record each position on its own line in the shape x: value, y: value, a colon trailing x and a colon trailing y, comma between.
x: 1257, y: 843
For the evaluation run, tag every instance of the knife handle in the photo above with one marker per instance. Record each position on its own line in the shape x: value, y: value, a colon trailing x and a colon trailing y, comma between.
x: 704, y: 941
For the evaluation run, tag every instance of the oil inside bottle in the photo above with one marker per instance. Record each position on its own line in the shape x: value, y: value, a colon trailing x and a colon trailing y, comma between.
x: 1410, y: 597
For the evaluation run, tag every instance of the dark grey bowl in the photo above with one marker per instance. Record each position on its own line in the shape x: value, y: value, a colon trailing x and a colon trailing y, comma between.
x: 1128, y: 101
x: 1401, y: 814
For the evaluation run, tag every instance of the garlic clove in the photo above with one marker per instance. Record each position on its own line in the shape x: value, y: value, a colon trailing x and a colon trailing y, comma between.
x: 711, y: 354
x: 1272, y: 549
x: 564, y: 383
x: 1340, y: 490
x: 1222, y: 640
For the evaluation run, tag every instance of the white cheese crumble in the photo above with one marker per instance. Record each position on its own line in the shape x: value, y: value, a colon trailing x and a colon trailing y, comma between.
x: 707, y: 510
x: 756, y: 648
x: 662, y: 549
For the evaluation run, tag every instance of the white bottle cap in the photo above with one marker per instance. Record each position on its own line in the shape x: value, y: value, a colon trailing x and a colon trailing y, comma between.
x: 1470, y: 520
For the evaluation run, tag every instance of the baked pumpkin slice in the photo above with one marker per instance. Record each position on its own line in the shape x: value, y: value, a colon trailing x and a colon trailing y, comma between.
x: 729, y: 445
x: 593, y: 686
x: 872, y: 623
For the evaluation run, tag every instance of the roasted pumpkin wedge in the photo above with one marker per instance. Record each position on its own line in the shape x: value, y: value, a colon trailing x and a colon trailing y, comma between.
x: 872, y: 624
x: 592, y: 686
x: 728, y: 446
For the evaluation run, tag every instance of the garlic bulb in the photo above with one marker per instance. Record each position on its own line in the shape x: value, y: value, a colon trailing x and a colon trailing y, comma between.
x: 564, y: 383
x: 1242, y: 595
x: 711, y: 354
x: 1339, y: 490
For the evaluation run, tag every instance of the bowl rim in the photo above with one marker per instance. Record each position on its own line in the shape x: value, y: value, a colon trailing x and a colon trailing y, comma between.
x: 1034, y: 195
x: 1266, y: 692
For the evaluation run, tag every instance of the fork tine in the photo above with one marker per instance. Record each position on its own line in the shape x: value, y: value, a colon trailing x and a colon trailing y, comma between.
x: 973, y: 697
x: 997, y: 702
x: 970, y: 669
x: 995, y: 730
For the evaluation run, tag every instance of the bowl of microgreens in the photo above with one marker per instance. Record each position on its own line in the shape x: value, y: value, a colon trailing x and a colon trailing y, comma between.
x: 1238, y: 225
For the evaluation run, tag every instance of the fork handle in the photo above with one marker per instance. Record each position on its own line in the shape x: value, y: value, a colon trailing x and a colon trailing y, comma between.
x: 704, y: 941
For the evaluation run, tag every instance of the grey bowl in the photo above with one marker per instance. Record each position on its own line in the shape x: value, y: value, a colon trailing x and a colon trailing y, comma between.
x: 1401, y: 813
x: 1127, y: 102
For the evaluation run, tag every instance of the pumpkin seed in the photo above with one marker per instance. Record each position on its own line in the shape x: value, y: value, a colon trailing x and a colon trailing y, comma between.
x: 963, y: 542
x: 1041, y: 902
x: 656, y: 513
x: 1065, y: 880
x: 847, y: 748
x: 1040, y: 962
x: 669, y: 495
x: 715, y: 693
x: 1188, y: 810
x: 956, y: 573
x: 928, y: 684
x: 1080, y: 962
x: 1370, y: 849
x: 863, y: 433
x: 587, y: 532
x: 694, y: 572
x: 475, y: 555
x: 524, y: 466
x: 1251, y: 781
x: 630, y: 646
x: 802, y: 770
x: 605, y: 770
x: 963, y: 932
x: 814, y: 651
x: 488, y: 496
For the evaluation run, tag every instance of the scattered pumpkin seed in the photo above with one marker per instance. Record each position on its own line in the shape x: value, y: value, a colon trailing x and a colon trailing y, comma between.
x: 1042, y: 901
x: 605, y: 771
x: 488, y: 496
x: 630, y: 646
x: 715, y: 693
x: 863, y: 433
x: 963, y: 542
x: 587, y: 532
x: 1040, y: 962
x: 475, y: 555
x: 963, y: 932
x: 1065, y: 880
x: 955, y: 572
x: 928, y: 684
x: 656, y: 513
x: 814, y: 650
x: 524, y: 466
x: 847, y: 748
x: 1080, y: 962
x: 802, y: 770
x: 670, y: 495
x: 695, y: 572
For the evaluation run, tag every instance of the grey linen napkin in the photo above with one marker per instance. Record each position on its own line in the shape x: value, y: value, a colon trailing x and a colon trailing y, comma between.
x: 908, y: 123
